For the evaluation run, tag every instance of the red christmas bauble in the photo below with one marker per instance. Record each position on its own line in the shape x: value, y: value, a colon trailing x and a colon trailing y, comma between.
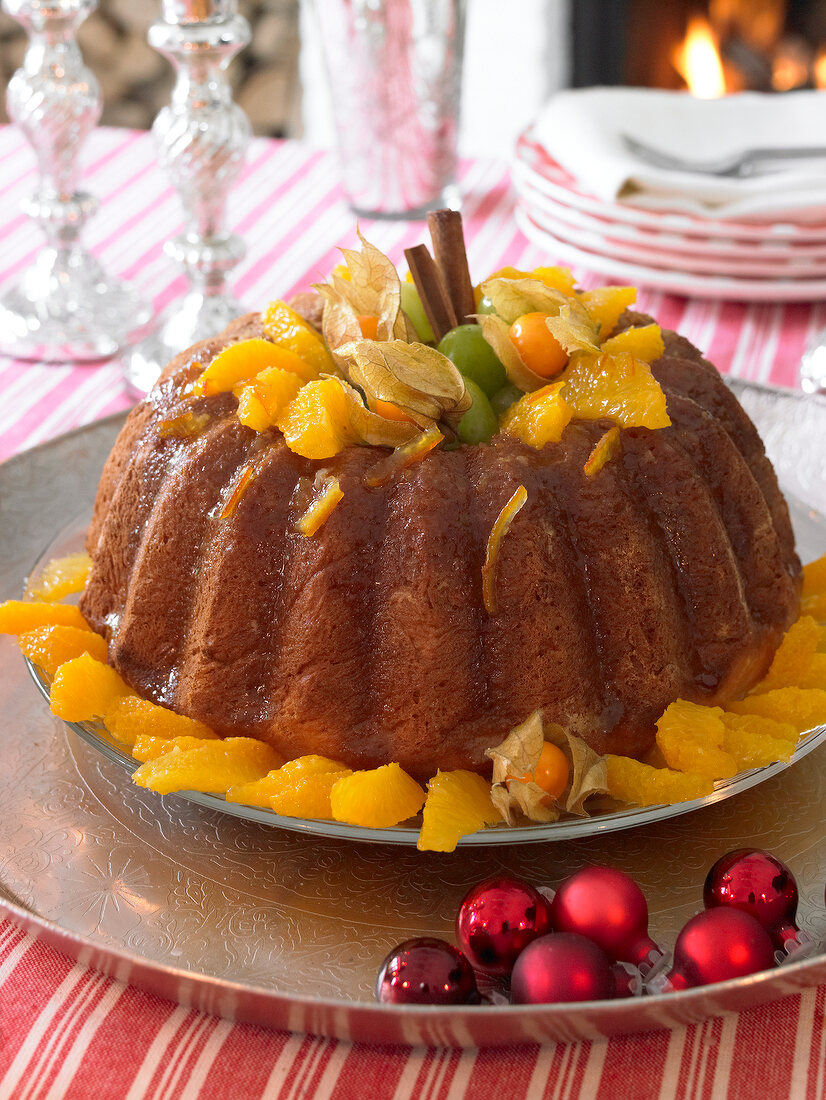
x: 426, y: 971
x: 719, y: 944
x: 562, y: 967
x: 609, y: 908
x: 759, y: 884
x: 497, y: 920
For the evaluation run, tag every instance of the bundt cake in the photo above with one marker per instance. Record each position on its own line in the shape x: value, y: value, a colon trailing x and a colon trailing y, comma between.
x: 670, y: 574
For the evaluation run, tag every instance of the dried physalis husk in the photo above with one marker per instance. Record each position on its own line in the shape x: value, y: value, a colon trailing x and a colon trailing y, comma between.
x: 372, y: 429
x: 497, y: 333
x: 419, y: 380
x: 589, y: 772
x: 519, y: 754
x: 513, y: 298
x: 573, y: 329
x: 373, y: 290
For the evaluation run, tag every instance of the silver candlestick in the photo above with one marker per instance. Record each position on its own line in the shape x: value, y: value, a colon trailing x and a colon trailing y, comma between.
x: 65, y: 306
x: 202, y: 137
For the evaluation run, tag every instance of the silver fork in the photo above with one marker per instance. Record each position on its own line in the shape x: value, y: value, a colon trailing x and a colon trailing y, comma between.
x: 736, y: 165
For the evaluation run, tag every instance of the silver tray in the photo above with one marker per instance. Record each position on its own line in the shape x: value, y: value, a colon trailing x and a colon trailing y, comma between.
x: 259, y: 924
x: 810, y: 526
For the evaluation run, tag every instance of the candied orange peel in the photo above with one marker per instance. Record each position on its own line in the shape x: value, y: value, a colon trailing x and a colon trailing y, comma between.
x: 328, y: 494
x: 501, y: 526
x: 604, y: 450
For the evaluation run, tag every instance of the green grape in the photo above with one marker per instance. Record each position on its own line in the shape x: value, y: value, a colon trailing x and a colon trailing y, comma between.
x: 412, y: 306
x: 479, y: 423
x: 504, y: 398
x: 485, y: 305
x: 474, y: 357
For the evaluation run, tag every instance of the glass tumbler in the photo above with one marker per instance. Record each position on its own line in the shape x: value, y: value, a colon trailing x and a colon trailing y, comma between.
x: 394, y: 69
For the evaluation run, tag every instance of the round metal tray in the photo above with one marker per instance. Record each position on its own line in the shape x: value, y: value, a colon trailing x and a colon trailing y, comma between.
x: 257, y: 923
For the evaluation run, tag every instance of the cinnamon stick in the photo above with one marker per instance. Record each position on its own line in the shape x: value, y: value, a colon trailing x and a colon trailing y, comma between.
x: 432, y: 291
x: 449, y: 249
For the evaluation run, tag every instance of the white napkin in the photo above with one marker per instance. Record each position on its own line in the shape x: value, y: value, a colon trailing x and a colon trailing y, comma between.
x: 581, y: 129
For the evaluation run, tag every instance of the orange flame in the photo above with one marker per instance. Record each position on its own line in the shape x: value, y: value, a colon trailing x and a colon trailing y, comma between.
x: 697, y: 60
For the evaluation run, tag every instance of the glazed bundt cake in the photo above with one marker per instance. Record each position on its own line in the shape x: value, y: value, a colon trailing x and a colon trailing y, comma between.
x: 670, y: 574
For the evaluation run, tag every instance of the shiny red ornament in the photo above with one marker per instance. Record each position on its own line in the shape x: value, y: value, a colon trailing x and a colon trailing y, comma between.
x: 426, y: 971
x: 562, y: 967
x: 609, y: 908
x: 760, y: 884
x: 497, y: 920
x: 716, y: 945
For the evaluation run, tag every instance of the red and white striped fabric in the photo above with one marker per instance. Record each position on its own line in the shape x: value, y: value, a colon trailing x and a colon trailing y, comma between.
x: 65, y: 1031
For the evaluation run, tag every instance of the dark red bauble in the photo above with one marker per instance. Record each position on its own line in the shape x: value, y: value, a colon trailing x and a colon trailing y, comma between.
x: 562, y: 967
x: 426, y: 971
x: 719, y: 944
x: 497, y: 920
x: 609, y: 908
x: 758, y: 883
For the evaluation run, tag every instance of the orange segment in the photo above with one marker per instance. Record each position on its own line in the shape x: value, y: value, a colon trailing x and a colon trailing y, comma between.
x: 691, y: 738
x: 20, y: 616
x: 289, y: 330
x: 309, y: 796
x: 753, y: 748
x: 458, y: 803
x: 557, y: 278
x: 261, y: 792
x: 645, y: 342
x: 212, y: 766
x: 540, y: 417
x: 84, y: 688
x: 131, y: 717
x: 606, y: 304
x: 632, y: 781
x: 61, y: 577
x: 794, y: 656
x: 316, y: 423
x: 240, y: 362
x: 619, y: 387
x: 376, y: 799
x: 149, y: 747
x: 803, y: 708
x: 816, y: 675
x: 813, y: 596
x: 51, y: 646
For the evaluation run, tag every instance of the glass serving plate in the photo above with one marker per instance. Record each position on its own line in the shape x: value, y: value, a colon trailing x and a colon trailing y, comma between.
x: 810, y: 531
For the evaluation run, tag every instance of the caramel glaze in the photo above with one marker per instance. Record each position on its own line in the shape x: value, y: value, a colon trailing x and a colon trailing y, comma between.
x: 671, y: 573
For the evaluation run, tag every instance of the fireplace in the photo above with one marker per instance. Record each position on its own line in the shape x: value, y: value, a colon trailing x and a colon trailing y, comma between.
x: 713, y: 48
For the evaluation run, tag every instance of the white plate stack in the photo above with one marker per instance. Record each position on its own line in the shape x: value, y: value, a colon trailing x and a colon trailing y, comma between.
x: 587, y: 201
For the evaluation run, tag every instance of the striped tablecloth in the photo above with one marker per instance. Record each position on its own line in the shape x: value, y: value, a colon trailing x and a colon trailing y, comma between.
x: 67, y: 1031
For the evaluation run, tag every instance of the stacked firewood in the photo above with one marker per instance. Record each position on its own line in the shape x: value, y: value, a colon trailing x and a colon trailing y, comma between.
x: 136, y: 81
